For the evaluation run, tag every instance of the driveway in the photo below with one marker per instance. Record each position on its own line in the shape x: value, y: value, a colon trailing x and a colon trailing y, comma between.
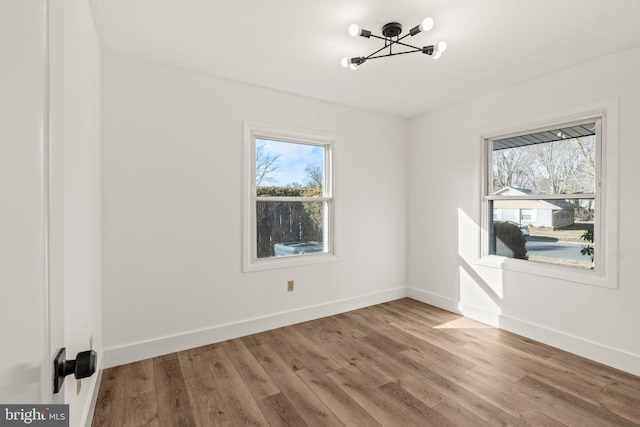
x: 548, y: 247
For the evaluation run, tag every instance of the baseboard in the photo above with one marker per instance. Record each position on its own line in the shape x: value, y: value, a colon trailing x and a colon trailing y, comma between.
x: 169, y: 344
x: 604, y: 354
x: 601, y: 353
x: 435, y: 300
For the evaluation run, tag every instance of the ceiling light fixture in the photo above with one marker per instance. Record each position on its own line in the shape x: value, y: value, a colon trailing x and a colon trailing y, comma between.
x: 391, y: 36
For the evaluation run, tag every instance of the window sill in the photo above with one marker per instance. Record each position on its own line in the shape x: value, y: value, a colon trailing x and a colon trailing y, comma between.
x: 288, y: 261
x: 571, y: 274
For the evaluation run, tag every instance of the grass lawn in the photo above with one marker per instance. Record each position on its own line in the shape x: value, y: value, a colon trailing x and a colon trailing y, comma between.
x: 571, y: 233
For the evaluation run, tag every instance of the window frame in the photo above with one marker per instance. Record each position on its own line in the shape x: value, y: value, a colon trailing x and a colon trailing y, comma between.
x: 258, y: 130
x: 605, y: 225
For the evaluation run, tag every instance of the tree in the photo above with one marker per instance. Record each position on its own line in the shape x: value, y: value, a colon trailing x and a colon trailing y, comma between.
x: 314, y: 176
x: 556, y: 167
x: 266, y: 165
x: 587, y: 147
x: 510, y: 169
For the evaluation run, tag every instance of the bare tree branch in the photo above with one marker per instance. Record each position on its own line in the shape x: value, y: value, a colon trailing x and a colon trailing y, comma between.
x: 266, y: 165
x: 314, y: 176
x: 564, y: 166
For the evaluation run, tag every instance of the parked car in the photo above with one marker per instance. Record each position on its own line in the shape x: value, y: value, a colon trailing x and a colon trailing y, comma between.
x: 297, y: 248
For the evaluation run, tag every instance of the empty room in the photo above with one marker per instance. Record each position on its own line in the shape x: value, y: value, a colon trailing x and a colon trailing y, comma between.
x: 354, y: 212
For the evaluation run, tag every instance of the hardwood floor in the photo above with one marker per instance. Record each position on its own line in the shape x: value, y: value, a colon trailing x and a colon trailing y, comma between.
x: 401, y: 363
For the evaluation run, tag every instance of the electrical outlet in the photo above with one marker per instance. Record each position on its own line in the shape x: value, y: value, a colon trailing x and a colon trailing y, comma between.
x: 290, y: 286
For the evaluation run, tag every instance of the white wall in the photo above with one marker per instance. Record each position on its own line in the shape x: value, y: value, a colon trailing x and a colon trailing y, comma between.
x: 444, y: 213
x: 23, y: 274
x: 82, y: 197
x: 172, y: 211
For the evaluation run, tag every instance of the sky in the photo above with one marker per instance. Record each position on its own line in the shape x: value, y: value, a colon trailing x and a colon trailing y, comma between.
x: 292, y: 161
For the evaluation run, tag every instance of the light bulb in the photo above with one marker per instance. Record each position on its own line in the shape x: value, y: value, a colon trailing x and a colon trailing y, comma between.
x: 354, y: 30
x: 442, y: 46
x: 345, y: 62
x: 426, y: 25
x: 436, y: 54
x: 353, y: 66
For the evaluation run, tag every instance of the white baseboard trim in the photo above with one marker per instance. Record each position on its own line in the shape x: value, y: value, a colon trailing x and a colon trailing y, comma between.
x: 436, y: 300
x: 604, y: 354
x: 601, y: 353
x: 134, y: 352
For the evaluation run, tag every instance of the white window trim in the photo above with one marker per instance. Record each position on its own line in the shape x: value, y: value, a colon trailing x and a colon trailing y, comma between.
x: 258, y: 130
x: 606, y: 231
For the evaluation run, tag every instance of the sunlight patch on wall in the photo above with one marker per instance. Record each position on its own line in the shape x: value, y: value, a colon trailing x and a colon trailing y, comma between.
x: 477, y: 286
x: 468, y: 237
x: 476, y: 290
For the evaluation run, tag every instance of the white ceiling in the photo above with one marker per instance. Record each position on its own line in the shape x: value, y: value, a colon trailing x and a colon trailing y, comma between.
x: 296, y: 45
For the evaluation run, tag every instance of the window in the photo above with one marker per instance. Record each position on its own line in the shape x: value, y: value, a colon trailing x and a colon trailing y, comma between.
x: 544, y: 194
x: 289, y: 197
x: 527, y: 214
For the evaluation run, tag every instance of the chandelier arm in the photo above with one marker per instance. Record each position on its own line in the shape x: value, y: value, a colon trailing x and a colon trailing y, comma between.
x: 405, y: 44
x: 394, y: 42
x: 393, y: 54
x: 416, y: 49
x: 388, y: 38
x: 377, y: 51
x: 403, y: 37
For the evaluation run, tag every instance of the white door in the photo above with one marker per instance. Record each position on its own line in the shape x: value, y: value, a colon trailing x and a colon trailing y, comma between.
x: 32, y: 292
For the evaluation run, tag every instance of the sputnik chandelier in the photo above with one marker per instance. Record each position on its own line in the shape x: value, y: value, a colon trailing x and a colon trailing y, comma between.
x: 391, y: 36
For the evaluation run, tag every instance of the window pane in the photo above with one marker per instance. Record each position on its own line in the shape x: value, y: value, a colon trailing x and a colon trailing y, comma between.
x: 548, y: 231
x: 558, y: 161
x: 290, y: 228
x: 289, y: 165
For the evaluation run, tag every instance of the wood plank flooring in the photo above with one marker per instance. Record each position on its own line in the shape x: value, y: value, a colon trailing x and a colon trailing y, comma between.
x: 401, y: 363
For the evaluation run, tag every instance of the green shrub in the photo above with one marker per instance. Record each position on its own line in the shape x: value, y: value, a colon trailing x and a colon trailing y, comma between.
x: 288, y: 191
x: 588, y: 236
x: 509, y: 240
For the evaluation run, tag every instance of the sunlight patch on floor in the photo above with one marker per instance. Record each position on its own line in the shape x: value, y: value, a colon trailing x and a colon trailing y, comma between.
x: 463, y: 323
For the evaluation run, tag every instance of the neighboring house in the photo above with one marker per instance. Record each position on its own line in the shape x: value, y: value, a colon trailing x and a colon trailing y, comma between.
x: 537, y: 213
